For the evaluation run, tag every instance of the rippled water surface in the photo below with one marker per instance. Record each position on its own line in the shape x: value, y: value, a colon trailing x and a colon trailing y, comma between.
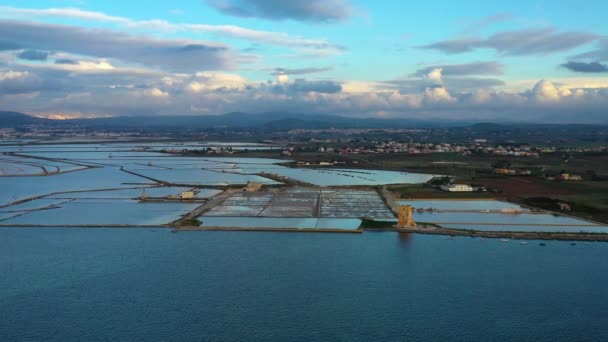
x: 149, y: 284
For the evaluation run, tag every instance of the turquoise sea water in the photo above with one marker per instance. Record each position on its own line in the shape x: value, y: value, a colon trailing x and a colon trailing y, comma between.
x: 149, y: 284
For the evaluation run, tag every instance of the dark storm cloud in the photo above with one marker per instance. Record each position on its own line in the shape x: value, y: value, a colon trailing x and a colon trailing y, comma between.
x: 301, y: 10
x: 476, y: 68
x: 585, y: 67
x: 173, y: 55
x: 34, y: 55
x: 525, y: 42
x: 302, y: 71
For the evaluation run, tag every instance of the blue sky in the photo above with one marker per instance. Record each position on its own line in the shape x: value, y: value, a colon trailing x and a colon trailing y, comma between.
x: 511, y: 61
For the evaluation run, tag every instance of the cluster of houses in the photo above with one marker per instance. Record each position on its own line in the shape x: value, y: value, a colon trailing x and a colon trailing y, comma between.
x: 419, y: 148
x: 6, y: 133
x: 478, y: 146
x: 564, y: 176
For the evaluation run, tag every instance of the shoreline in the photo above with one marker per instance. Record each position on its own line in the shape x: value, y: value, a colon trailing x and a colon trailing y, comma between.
x: 598, y: 237
x: 591, y: 237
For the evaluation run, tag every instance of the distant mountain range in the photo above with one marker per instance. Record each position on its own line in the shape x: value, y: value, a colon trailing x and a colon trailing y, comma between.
x: 14, y: 119
x: 236, y: 120
x: 275, y: 121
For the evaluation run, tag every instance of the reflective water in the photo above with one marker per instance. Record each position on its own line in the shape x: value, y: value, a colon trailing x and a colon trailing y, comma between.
x: 155, y: 192
x: 149, y: 284
x: 14, y: 188
x: 451, y: 217
x: 335, y: 177
x: 202, y: 177
x: 480, y: 205
x: 100, y: 212
x: 205, y: 170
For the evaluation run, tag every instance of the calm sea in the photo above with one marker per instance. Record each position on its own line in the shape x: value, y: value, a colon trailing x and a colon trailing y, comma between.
x: 152, y: 285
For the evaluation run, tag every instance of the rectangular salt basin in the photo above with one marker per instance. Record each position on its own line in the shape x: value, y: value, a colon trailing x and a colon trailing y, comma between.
x: 106, y: 212
x: 156, y: 192
x: 302, y: 202
x: 13, y: 168
x: 31, y: 205
x: 544, y: 229
x: 16, y: 188
x: 455, y: 217
x: 338, y: 177
x: 7, y: 215
x: 278, y: 223
x: 203, y: 177
x: 476, y: 205
x: 23, y: 166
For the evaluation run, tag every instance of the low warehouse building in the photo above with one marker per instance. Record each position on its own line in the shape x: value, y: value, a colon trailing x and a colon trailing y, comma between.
x: 457, y: 188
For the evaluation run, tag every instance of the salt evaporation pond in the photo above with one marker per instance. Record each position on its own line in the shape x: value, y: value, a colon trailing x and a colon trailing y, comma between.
x: 59, y: 148
x: 462, y: 205
x: 203, y: 177
x: 32, y: 205
x: 19, y: 166
x: 336, y: 177
x: 278, y: 223
x: 155, y: 192
x: 100, y: 212
x: 16, y: 188
x: 498, y: 218
x: 99, y: 155
x: 183, y: 170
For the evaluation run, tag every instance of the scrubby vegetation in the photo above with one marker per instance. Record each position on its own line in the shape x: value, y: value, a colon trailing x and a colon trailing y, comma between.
x: 192, y: 223
x: 373, y: 224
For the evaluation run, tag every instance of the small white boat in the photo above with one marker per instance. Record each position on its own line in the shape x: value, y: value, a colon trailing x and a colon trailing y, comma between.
x: 524, y: 243
x: 504, y: 240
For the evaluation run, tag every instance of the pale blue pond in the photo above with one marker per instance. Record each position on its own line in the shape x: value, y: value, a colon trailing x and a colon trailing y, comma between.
x: 478, y: 205
x: 16, y: 188
x: 188, y: 170
x: 7, y: 215
x: 455, y: 217
x: 8, y: 168
x: 156, y: 192
x: 202, y: 177
x: 101, y: 155
x: 58, y: 148
x: 100, y: 212
x: 31, y: 205
x: 37, y: 165
x: 336, y: 177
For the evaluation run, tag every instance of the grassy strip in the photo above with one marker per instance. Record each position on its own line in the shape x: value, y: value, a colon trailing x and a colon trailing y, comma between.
x: 576, y: 208
x: 192, y: 223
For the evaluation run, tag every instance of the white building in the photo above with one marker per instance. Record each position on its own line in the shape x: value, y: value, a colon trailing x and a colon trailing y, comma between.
x: 457, y: 188
x: 186, y: 195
